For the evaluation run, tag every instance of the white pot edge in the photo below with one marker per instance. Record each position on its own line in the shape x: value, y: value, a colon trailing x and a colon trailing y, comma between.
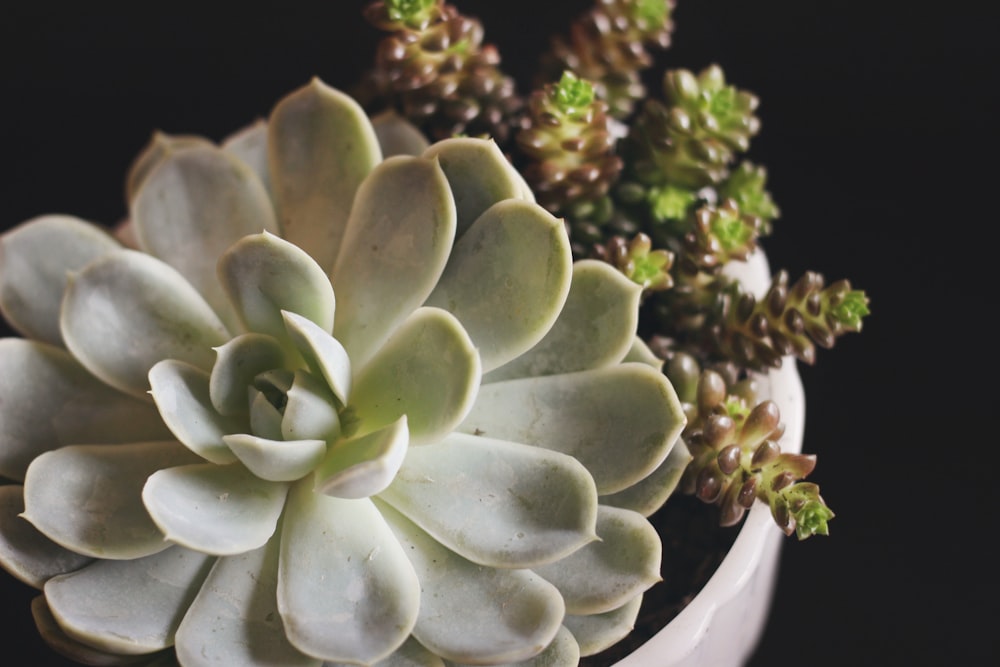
x: 722, y: 624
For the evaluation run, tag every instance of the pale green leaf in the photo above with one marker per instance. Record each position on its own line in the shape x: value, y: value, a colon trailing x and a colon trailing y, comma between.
x: 249, y: 144
x: 607, y: 573
x: 321, y: 145
x: 276, y: 460
x: 88, y: 498
x: 159, y: 146
x: 598, y: 632
x: 132, y: 606
x: 507, y: 279
x: 648, y: 495
x: 25, y: 552
x: 265, y: 275
x: 475, y: 614
x: 323, y: 353
x: 127, y: 311
x: 619, y: 421
x: 64, y: 645
x: 50, y: 400
x: 237, y: 363
x: 497, y: 503
x: 191, y: 207
x: 363, y: 466
x: 429, y: 371
x: 563, y: 651
x: 479, y: 175
x: 398, y: 136
x: 35, y: 258
x: 346, y: 591
x: 310, y: 411
x: 235, y: 620
x: 214, y: 509
x: 397, y: 242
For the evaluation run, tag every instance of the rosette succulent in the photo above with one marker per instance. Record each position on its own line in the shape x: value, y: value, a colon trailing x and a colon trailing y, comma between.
x: 331, y: 395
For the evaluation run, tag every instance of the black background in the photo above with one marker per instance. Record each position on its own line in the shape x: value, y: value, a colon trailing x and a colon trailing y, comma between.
x: 879, y: 135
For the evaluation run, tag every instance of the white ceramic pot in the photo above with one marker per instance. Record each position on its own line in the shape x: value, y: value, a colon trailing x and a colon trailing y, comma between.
x: 723, y: 623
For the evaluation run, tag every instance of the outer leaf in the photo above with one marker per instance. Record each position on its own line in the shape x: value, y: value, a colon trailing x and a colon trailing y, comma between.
x: 249, y: 144
x: 397, y: 242
x: 600, y: 631
x: 410, y: 654
x: 50, y: 400
x: 182, y: 395
x: 127, y: 311
x: 192, y: 206
x: 277, y: 460
x: 346, y: 591
x: 25, y: 552
x: 398, y: 136
x: 130, y: 607
x: 265, y: 275
x: 363, y: 466
x: 563, y: 651
x: 650, y: 493
x: 605, y: 574
x: 640, y: 352
x: 88, y: 498
x: 497, y: 503
x: 619, y: 421
x: 428, y: 371
x: 219, y: 510
x: 234, y: 620
x: 160, y: 145
x: 596, y: 327
x: 475, y: 614
x: 507, y: 279
x: 479, y: 174
x: 321, y: 145
x: 72, y: 649
x: 35, y: 258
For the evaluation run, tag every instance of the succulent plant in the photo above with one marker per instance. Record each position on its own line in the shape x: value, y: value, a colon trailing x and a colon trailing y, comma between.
x: 331, y: 395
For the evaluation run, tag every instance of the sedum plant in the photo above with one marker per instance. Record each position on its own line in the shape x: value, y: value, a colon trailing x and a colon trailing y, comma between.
x: 333, y: 394
x: 655, y: 182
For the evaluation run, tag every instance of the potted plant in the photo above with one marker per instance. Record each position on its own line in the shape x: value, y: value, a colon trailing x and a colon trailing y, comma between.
x: 433, y: 380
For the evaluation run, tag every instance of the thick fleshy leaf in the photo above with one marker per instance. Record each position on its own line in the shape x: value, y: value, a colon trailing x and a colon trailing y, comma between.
x: 249, y: 144
x: 479, y: 173
x: 191, y: 207
x: 159, y: 146
x: 507, y: 279
x: 648, y: 495
x: 429, y: 371
x: 475, y: 614
x: 66, y: 646
x: 234, y: 620
x: 238, y: 362
x: 265, y: 275
x: 132, y: 606
x: 321, y: 145
x: 497, y: 503
x: 607, y: 573
x: 397, y: 241
x: 641, y: 352
x: 410, y: 654
x: 346, y: 591
x: 50, y: 400
x: 220, y: 510
x: 596, y: 327
x: 619, y: 421
x: 265, y: 419
x: 323, y: 353
x: 127, y: 311
x: 277, y: 460
x: 24, y: 551
x: 88, y: 498
x: 600, y: 631
x: 35, y: 258
x: 363, y: 466
x: 563, y: 651
x: 181, y: 393
x: 398, y: 136
x: 310, y: 410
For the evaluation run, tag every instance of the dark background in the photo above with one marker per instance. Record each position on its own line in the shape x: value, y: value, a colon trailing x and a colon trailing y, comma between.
x: 879, y: 134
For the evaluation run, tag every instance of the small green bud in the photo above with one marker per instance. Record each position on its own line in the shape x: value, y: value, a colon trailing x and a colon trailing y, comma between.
x: 411, y: 12
x: 654, y: 12
x: 850, y: 311
x: 670, y: 203
x: 812, y: 519
x: 572, y: 95
x: 731, y: 231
